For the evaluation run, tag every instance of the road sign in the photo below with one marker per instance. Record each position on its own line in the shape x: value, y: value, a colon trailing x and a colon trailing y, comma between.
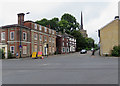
x: 39, y: 54
x: 20, y: 46
x: 34, y: 54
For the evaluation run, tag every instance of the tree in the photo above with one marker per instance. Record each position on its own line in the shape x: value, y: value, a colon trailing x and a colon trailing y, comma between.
x: 90, y: 42
x: 63, y: 25
x: 80, y: 40
x: 72, y: 23
x: 43, y: 22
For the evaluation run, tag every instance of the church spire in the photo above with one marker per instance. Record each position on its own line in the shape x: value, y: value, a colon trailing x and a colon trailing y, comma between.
x: 81, y: 21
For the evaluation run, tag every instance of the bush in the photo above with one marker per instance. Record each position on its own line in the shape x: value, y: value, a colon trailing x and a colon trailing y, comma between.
x: 9, y: 55
x: 2, y: 54
x: 116, y: 51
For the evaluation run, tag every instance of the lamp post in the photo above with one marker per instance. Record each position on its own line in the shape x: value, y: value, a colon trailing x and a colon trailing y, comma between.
x: 21, y: 23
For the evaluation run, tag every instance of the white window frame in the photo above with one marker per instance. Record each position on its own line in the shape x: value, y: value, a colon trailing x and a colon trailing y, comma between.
x: 11, y: 35
x: 45, y: 39
x: 40, y: 28
x: 40, y: 37
x: 63, y: 44
x: 35, y: 48
x: 35, y: 36
x: 45, y: 29
x: 35, y: 26
x: 12, y: 50
x: 49, y: 30
x: 63, y: 39
x: 3, y: 36
x: 49, y: 39
x: 25, y: 35
x: 52, y: 31
x: 24, y: 51
x: 53, y: 40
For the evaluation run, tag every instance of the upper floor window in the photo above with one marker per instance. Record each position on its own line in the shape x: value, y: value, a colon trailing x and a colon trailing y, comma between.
x: 67, y: 44
x: 35, y: 36
x: 63, y: 43
x: 45, y: 39
x: 49, y: 30
x: 40, y: 28
x: 49, y: 39
x: 24, y: 35
x: 40, y: 37
x: 63, y: 39
x: 35, y: 26
x: 12, y: 35
x: 53, y: 40
x: 53, y: 32
x: 12, y: 49
x: 45, y: 29
x: 3, y: 36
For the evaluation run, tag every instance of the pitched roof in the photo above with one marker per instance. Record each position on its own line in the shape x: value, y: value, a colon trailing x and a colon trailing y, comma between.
x: 13, y: 25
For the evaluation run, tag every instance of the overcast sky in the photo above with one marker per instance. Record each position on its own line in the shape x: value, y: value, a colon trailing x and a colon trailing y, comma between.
x: 96, y: 13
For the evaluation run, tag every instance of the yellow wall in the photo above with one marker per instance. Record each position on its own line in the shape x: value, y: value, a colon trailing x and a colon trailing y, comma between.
x: 109, y: 37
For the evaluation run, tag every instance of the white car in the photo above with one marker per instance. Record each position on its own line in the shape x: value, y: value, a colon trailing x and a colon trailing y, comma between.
x: 83, y: 51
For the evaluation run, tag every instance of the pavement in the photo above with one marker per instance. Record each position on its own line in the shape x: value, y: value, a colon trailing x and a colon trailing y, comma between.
x: 74, y: 68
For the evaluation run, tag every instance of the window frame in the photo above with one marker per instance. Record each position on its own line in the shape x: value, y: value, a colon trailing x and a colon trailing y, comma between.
x: 11, y: 35
x: 45, y: 29
x: 25, y: 35
x: 35, y: 36
x: 35, y: 26
x: 2, y: 35
x: 12, y: 50
x: 24, y: 51
x: 40, y: 28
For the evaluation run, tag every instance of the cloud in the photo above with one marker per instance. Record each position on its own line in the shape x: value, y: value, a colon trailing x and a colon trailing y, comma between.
x: 106, y: 16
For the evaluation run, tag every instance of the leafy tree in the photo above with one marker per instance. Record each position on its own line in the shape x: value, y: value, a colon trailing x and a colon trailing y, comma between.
x: 63, y: 24
x: 43, y: 22
x: 80, y: 40
x: 90, y: 42
x: 73, y: 24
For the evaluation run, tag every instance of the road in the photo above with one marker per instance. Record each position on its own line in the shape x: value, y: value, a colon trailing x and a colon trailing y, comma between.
x: 72, y: 68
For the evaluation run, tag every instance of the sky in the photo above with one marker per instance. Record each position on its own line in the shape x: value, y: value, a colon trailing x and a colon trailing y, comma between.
x: 96, y: 13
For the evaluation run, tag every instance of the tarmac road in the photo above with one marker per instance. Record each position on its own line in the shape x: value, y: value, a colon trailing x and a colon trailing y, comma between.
x: 72, y: 68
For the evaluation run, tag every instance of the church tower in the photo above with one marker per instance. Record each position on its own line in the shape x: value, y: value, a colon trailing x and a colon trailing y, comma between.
x: 81, y: 21
x: 82, y: 31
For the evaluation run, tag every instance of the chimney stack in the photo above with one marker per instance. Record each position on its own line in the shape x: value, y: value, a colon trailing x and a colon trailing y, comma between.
x: 20, y: 18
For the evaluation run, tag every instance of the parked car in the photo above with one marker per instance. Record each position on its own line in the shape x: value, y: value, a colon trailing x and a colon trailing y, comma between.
x: 83, y: 51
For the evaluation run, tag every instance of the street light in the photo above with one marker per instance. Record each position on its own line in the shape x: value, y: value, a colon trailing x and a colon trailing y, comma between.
x: 20, y: 32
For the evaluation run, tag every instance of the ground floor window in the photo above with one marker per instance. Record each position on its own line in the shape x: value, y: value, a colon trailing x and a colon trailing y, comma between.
x: 53, y: 49
x: 49, y: 49
x: 67, y: 49
x: 24, y: 49
x: 40, y: 48
x: 63, y: 49
x: 12, y: 49
x: 35, y: 48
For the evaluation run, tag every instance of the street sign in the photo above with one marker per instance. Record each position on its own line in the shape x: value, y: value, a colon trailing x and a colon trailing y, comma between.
x: 20, y: 46
x: 34, y: 54
x: 39, y: 54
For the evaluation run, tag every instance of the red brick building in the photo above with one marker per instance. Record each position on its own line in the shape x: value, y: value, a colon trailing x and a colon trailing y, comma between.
x: 65, y: 43
x: 33, y: 38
